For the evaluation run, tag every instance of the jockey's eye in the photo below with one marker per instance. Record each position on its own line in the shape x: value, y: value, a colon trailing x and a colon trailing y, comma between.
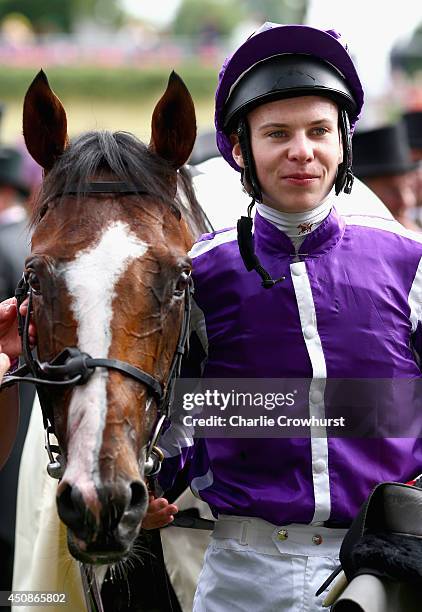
x: 33, y: 281
x: 182, y: 283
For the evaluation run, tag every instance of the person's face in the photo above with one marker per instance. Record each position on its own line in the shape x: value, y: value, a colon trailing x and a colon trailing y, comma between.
x: 296, y: 146
x: 398, y: 192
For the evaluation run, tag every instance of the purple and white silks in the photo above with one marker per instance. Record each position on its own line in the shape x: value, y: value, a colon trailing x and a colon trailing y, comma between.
x: 352, y: 308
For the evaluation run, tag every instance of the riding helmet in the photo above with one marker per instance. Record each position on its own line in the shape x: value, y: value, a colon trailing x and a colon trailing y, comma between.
x: 285, y: 61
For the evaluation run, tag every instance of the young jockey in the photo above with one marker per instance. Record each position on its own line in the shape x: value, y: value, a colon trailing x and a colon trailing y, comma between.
x: 348, y: 307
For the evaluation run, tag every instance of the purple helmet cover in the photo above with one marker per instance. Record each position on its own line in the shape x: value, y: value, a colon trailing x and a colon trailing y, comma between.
x: 275, y: 39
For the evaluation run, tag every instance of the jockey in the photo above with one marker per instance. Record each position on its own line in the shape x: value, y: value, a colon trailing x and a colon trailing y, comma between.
x: 313, y: 295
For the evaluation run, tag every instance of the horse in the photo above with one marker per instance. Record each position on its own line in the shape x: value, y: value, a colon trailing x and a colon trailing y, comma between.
x: 109, y: 279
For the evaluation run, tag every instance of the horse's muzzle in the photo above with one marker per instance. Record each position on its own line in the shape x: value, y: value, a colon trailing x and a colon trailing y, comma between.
x: 102, y: 532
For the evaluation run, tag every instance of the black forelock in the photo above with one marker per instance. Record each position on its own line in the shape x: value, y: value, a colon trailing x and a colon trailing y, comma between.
x: 118, y: 156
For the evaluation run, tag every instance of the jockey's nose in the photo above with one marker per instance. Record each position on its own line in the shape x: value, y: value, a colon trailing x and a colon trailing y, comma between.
x: 300, y: 148
x: 115, y: 509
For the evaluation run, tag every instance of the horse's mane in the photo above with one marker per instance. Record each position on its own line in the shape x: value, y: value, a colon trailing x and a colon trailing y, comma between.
x: 118, y: 156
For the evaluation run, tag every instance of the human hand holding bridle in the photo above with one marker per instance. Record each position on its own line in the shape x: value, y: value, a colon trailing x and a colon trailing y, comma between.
x: 9, y: 336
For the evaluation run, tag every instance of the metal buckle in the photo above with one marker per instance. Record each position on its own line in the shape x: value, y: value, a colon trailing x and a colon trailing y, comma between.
x: 55, y: 467
x: 152, y: 464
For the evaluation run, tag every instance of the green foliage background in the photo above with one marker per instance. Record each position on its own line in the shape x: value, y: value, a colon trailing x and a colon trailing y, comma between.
x: 61, y: 15
x: 114, y: 84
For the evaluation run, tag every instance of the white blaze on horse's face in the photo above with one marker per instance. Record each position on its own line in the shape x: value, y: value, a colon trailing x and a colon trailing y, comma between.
x: 91, y: 278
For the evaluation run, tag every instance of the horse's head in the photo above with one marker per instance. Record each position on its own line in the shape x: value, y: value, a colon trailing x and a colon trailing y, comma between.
x: 108, y: 273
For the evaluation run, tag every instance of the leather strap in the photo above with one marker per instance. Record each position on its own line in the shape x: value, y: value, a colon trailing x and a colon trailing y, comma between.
x: 102, y: 187
x: 91, y: 589
x: 190, y: 519
x: 126, y: 368
x: 249, y: 170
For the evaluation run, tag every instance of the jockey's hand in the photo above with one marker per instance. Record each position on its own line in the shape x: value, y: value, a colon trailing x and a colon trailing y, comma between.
x: 4, y: 364
x: 9, y: 336
x: 159, y: 514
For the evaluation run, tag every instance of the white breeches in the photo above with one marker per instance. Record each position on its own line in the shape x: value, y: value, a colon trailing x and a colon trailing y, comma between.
x: 251, y: 566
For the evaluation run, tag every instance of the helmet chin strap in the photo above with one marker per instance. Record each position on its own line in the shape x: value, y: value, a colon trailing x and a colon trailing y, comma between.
x: 244, y: 224
x: 345, y: 178
x: 344, y: 182
x: 249, y: 171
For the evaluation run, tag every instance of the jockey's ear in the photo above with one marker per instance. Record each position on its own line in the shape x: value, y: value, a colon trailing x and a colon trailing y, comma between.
x: 44, y: 122
x: 236, y: 150
x: 173, y: 125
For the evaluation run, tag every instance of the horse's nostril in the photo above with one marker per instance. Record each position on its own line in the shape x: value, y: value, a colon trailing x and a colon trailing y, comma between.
x: 67, y: 509
x: 72, y: 510
x: 139, y: 495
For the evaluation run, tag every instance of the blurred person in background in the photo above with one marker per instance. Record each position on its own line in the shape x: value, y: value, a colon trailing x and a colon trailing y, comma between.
x: 14, y: 240
x: 413, y: 123
x: 382, y: 160
x: 14, y: 248
x: 205, y: 148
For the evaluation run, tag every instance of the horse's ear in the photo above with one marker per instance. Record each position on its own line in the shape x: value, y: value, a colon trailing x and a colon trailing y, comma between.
x: 44, y: 122
x: 173, y: 125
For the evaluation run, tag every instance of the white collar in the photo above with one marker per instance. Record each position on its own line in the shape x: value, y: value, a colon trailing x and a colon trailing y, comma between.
x: 297, y: 225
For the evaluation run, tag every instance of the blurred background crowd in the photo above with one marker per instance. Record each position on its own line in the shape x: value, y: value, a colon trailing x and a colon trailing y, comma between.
x: 109, y: 61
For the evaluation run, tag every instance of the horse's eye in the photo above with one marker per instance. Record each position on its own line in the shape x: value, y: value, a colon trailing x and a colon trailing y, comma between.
x: 33, y: 282
x: 182, y: 283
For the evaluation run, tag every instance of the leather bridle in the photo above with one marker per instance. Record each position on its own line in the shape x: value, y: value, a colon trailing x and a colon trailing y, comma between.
x: 72, y: 367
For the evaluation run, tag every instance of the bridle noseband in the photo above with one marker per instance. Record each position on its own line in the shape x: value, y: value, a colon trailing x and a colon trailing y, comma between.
x: 72, y: 367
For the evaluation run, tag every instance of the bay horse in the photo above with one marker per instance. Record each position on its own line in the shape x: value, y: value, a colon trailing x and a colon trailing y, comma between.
x: 109, y: 274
